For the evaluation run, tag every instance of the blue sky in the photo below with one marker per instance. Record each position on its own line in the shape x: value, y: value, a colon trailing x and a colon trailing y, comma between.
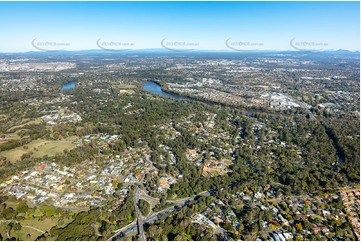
x: 206, y: 25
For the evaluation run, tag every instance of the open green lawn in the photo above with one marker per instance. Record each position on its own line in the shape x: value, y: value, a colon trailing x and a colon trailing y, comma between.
x: 23, y: 234
x: 44, y: 225
x: 29, y: 233
x: 39, y: 148
x: 3, y: 230
x: 16, y: 153
x: 26, y: 234
x: 52, y: 148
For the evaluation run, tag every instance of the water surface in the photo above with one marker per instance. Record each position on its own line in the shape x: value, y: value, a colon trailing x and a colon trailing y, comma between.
x: 155, y: 88
x: 68, y: 86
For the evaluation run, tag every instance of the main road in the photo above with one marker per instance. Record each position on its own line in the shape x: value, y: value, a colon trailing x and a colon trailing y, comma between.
x: 139, y: 215
x: 138, y: 223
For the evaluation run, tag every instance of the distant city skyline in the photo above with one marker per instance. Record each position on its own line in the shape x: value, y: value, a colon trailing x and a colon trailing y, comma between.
x: 35, y: 26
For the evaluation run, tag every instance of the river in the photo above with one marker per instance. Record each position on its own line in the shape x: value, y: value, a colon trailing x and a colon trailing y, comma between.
x: 68, y: 86
x: 155, y: 88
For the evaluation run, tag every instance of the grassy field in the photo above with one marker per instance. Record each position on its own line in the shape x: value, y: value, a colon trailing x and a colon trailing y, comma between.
x: 16, y: 153
x: 3, y: 117
x: 262, y: 87
x: 39, y: 148
x: 123, y: 86
x: 126, y: 91
x: 35, y: 121
x: 53, y: 147
x: 29, y: 233
x: 26, y: 234
x: 44, y: 225
x: 12, y: 136
x: 23, y: 234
